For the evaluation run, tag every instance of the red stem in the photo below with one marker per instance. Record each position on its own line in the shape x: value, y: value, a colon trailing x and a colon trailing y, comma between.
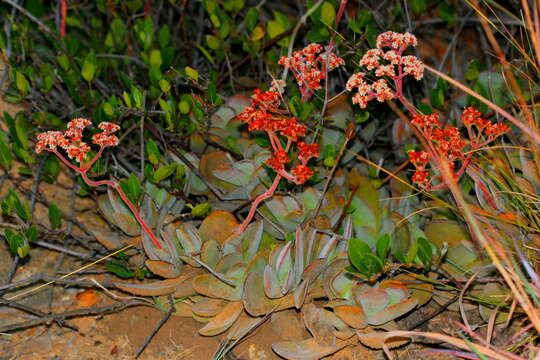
x: 63, y: 15
x: 342, y: 6
x: 147, y: 7
x: 89, y: 165
x: 115, y: 186
x: 398, y: 81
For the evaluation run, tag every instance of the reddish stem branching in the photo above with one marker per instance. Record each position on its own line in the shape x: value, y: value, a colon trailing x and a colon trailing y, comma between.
x: 72, y: 142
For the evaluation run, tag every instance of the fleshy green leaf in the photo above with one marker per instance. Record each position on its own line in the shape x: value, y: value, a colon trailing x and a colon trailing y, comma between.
x: 252, y: 17
x: 155, y: 58
x: 192, y: 73
x: 424, y: 252
x: 55, y: 217
x: 357, y: 250
x: 88, y: 69
x: 383, y: 244
x: 164, y: 172
x: 6, y: 158
x: 22, y: 83
x: 119, y: 271
x: 328, y: 13
x: 201, y: 210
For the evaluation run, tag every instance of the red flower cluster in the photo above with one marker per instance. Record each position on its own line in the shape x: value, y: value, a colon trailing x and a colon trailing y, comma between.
x: 472, y: 117
x: 448, y: 144
x: 309, y: 66
x: 388, y: 63
x: 307, y: 151
x: 301, y: 173
x: 264, y: 115
x: 448, y: 141
x: 71, y: 139
x: 420, y: 159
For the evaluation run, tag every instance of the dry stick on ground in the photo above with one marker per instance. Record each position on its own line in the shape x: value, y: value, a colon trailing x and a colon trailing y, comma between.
x: 35, y: 183
x: 54, y: 272
x: 57, y: 280
x: 11, y: 272
x: 32, y: 290
x: 156, y: 329
x: 64, y: 250
x: 30, y: 310
x: 433, y: 314
x: 104, y: 310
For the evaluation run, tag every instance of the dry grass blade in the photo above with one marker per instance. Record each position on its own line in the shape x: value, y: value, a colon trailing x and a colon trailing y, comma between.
x: 32, y: 290
x: 494, y: 249
x: 491, y: 353
x: 527, y: 130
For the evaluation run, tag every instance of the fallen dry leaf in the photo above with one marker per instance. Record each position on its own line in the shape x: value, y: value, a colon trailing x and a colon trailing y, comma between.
x: 86, y: 298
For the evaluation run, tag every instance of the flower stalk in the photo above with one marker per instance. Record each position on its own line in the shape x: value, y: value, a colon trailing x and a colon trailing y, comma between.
x: 309, y: 66
x: 71, y: 142
x: 444, y: 145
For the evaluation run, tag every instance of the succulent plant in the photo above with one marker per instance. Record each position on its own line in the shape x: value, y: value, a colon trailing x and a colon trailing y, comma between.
x: 229, y: 281
x: 156, y: 205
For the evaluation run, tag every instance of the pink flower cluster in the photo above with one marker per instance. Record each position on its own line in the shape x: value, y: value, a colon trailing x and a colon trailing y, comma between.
x: 72, y: 142
x: 72, y: 139
x: 310, y: 66
x: 390, y: 63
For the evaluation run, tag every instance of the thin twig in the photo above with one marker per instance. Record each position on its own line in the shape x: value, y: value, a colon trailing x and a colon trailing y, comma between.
x: 12, y: 270
x: 42, y: 277
x: 71, y: 314
x: 345, y: 209
x: 122, y: 57
x: 41, y: 199
x: 247, y: 58
x: 63, y: 250
x: 30, y: 16
x: 32, y: 290
x: 155, y: 133
x: 35, y: 183
x: 430, y: 316
x: 55, y: 271
x: 349, y: 134
x: 461, y: 295
x: 156, y: 329
x: 36, y: 312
